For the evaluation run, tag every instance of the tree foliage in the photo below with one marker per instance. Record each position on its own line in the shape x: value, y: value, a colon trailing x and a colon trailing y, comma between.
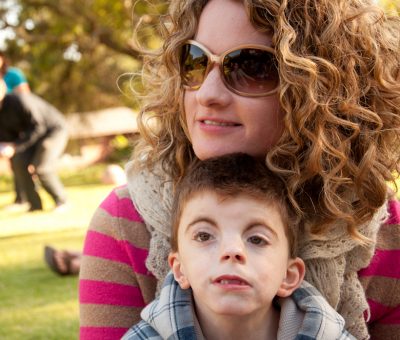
x: 391, y: 5
x: 74, y: 51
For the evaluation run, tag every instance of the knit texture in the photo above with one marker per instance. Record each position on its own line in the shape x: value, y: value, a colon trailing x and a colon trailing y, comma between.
x: 332, y: 262
x: 151, y: 193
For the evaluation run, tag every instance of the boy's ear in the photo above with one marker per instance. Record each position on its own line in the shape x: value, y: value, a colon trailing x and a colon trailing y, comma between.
x: 177, y: 269
x: 294, y: 276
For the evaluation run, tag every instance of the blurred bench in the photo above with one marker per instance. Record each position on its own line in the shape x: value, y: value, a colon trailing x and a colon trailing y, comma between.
x: 103, y: 123
x: 90, y: 134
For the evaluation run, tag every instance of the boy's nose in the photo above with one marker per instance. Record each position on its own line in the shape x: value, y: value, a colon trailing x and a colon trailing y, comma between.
x: 233, y: 252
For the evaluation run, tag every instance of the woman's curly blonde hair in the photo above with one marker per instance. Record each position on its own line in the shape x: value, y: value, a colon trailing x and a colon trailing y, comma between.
x: 339, y: 66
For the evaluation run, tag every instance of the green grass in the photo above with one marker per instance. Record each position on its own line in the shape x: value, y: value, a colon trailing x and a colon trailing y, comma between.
x: 89, y: 175
x: 35, y: 303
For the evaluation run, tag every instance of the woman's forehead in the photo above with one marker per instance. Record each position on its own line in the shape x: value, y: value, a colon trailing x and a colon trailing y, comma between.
x: 225, y: 24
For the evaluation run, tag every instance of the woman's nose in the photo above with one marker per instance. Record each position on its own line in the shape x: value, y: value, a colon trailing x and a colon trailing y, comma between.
x: 213, y: 91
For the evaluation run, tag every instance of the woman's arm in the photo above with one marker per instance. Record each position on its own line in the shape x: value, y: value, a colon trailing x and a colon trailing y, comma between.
x: 381, y: 280
x: 114, y: 282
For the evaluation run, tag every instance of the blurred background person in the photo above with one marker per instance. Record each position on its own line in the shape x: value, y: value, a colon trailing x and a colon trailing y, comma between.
x: 34, y: 134
x: 13, y: 77
x: 16, y: 82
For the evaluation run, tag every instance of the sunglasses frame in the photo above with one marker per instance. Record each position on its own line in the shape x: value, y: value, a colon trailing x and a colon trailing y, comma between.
x: 218, y: 59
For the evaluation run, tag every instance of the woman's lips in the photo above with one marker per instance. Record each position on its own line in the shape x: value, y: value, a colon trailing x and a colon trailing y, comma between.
x: 218, y: 126
x: 218, y: 123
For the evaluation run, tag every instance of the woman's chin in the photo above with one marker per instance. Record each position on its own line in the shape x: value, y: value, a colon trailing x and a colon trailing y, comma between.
x: 206, y: 153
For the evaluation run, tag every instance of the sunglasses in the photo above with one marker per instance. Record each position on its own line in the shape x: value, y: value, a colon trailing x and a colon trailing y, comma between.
x: 247, y: 70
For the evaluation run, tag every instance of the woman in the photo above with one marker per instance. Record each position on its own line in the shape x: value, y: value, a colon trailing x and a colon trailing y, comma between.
x: 312, y: 87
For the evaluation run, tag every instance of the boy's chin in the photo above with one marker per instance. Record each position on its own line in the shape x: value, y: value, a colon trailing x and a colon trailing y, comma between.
x: 233, y: 307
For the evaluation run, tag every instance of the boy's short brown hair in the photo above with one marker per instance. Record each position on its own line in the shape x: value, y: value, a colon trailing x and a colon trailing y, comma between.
x: 233, y: 175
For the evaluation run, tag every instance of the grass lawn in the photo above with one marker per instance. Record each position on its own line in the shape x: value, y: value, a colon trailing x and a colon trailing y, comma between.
x: 35, y: 302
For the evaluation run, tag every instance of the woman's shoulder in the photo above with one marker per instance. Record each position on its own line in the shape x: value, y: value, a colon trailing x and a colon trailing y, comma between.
x: 117, y: 218
x: 387, y: 247
x: 118, y: 232
x: 118, y: 203
x: 381, y: 278
x: 387, y: 252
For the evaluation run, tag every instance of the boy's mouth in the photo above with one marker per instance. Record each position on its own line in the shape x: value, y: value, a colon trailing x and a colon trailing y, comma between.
x: 231, y: 280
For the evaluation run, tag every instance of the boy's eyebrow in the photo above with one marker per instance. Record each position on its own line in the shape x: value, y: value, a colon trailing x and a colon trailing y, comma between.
x: 213, y: 223
x: 201, y: 219
x: 256, y: 223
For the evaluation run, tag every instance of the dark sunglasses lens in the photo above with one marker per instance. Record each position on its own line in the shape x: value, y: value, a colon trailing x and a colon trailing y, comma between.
x: 251, y: 70
x: 193, y: 65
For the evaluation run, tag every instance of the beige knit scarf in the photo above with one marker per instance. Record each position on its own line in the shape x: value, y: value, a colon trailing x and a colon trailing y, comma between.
x: 332, y: 260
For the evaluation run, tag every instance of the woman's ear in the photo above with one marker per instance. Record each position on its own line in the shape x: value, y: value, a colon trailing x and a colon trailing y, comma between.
x: 177, y: 269
x: 294, y: 277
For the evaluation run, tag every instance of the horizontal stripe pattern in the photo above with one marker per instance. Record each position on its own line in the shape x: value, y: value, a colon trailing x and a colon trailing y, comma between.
x: 120, y: 229
x: 115, y: 284
x: 383, y: 289
x: 101, y: 333
x: 134, y: 233
x: 109, y: 315
x: 148, y: 286
x: 393, y: 318
x: 385, y: 314
x: 384, y: 263
x: 120, y: 207
x: 381, y: 280
x: 109, y: 293
x: 389, y: 237
x: 129, y: 254
x: 102, y: 270
x: 394, y: 212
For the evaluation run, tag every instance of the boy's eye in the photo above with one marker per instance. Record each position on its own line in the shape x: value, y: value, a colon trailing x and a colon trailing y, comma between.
x: 257, y: 240
x: 202, y: 236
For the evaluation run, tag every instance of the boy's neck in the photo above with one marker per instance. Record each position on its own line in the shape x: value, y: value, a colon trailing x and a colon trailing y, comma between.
x: 249, y: 327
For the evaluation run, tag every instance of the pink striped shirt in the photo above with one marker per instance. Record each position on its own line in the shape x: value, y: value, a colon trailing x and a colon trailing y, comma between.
x: 115, y: 283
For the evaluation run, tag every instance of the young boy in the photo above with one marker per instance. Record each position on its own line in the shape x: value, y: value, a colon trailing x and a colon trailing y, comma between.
x: 234, y: 244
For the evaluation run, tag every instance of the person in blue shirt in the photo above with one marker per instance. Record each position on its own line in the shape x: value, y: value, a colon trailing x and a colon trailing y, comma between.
x: 16, y: 82
x: 34, y: 134
x: 13, y: 77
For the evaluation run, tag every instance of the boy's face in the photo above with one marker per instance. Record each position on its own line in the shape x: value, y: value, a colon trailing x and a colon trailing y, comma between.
x: 234, y: 253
